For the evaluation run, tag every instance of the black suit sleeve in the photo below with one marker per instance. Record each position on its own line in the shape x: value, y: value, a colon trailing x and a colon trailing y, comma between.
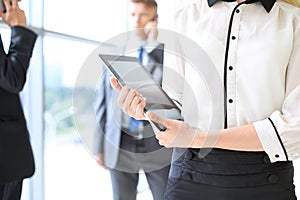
x: 14, y: 64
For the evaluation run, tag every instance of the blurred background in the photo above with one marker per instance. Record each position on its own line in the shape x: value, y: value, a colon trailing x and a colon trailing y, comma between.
x: 69, y: 31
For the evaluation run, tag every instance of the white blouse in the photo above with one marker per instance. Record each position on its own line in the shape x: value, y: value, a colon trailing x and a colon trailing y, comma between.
x: 262, y: 72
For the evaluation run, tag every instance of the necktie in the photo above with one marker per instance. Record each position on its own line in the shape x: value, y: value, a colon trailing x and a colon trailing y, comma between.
x: 134, y: 124
x: 140, y: 54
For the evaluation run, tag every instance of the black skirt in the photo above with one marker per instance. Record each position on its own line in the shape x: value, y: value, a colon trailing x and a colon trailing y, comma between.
x: 217, y: 174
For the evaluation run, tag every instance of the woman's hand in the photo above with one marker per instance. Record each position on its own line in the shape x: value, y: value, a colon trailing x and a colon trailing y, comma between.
x: 177, y: 133
x: 129, y: 100
x: 14, y: 16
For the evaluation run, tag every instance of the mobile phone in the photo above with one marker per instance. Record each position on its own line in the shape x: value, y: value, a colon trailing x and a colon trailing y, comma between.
x: 2, y: 5
x: 155, y: 18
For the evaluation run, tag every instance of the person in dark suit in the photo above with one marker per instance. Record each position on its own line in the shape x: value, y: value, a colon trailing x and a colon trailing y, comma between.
x: 123, y: 145
x: 16, y: 157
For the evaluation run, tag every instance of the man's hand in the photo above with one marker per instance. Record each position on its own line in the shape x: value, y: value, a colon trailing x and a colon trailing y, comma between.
x: 100, y: 160
x: 13, y: 16
x: 129, y: 100
x: 151, y: 31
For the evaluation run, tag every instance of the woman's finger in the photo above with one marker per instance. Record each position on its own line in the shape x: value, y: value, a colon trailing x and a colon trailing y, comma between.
x: 128, y: 101
x: 122, y: 96
x: 157, y: 119
x: 115, y: 83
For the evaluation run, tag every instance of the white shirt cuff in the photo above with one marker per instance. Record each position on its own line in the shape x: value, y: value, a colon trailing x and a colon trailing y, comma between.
x: 270, y: 140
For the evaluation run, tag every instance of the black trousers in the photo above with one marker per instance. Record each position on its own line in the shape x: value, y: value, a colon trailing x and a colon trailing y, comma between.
x: 229, y: 175
x: 11, y: 190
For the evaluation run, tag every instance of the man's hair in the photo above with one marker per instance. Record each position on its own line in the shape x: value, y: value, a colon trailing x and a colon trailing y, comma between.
x: 150, y: 3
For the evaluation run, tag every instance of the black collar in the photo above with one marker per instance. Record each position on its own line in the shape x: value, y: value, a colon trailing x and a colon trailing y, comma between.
x: 267, y: 4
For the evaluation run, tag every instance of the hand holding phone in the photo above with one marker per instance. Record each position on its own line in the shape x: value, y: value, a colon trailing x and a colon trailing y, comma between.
x: 11, y: 13
x: 151, y: 29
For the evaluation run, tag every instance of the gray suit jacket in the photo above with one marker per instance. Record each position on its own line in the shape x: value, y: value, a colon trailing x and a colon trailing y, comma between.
x: 107, y: 136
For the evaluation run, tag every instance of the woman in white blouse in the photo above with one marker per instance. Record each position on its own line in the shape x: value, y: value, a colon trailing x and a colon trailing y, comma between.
x: 255, y: 46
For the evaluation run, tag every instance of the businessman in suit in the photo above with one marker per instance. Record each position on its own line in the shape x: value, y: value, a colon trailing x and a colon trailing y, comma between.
x: 16, y: 157
x: 121, y: 144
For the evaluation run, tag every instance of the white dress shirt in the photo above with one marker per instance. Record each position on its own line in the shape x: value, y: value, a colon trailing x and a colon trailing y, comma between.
x: 262, y: 71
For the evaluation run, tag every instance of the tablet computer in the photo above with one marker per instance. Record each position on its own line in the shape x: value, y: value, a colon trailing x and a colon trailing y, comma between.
x: 129, y: 71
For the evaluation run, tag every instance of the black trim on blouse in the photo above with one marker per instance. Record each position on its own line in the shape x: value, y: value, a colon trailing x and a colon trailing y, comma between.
x: 229, y: 38
x: 281, y: 143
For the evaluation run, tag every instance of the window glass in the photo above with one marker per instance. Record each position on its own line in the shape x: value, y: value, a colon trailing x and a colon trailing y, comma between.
x: 5, y: 36
x: 92, y: 19
x: 68, y: 166
x: 25, y: 6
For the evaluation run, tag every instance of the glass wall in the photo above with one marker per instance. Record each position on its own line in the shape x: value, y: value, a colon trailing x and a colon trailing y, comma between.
x: 72, y: 30
x: 92, y: 19
x: 66, y: 163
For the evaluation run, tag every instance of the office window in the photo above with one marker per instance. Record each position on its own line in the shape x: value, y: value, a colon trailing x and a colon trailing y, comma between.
x: 92, y: 19
x: 72, y: 31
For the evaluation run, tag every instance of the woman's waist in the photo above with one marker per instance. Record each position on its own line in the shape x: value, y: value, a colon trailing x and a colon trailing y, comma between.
x: 228, y: 162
